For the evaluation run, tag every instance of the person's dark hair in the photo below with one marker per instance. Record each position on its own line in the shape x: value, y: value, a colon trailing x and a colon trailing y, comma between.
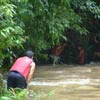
x: 29, y: 53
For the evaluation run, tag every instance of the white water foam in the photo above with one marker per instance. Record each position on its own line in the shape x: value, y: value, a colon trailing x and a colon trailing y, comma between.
x: 66, y: 82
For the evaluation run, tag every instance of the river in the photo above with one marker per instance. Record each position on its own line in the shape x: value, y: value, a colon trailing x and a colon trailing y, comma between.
x: 67, y: 82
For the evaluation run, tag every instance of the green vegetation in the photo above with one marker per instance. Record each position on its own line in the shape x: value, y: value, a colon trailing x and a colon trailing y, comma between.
x: 19, y: 94
x: 41, y: 24
x: 22, y: 94
x: 12, y: 95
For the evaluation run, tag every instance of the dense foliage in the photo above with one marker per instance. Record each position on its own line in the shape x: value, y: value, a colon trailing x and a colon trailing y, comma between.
x: 11, y: 32
x: 41, y: 24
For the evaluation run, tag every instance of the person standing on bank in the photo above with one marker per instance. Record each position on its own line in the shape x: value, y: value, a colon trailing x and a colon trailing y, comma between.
x: 21, y: 72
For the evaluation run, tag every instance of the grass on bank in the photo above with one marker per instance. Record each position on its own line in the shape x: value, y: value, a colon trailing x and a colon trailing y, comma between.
x: 22, y: 94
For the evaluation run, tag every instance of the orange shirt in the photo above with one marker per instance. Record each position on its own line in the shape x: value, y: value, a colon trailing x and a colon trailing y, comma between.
x: 57, y: 50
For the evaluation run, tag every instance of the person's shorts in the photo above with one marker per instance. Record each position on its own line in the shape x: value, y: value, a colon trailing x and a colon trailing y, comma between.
x: 16, y: 80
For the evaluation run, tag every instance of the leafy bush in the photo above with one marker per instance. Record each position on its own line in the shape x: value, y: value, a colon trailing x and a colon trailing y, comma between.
x: 12, y: 94
x: 19, y: 94
x: 22, y: 94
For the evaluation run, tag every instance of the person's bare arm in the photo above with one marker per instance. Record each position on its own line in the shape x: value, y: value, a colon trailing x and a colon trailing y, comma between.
x: 32, y: 69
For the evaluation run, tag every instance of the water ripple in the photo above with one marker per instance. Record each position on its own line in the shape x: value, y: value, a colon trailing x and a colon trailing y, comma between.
x: 66, y: 82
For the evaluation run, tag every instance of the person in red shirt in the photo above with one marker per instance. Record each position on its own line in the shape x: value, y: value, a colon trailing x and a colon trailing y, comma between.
x: 81, y: 55
x: 21, y: 73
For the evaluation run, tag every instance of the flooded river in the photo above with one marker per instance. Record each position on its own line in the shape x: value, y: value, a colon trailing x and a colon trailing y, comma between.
x: 67, y: 82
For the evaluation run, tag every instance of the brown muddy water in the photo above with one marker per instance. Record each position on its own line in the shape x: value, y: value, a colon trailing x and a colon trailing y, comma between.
x: 67, y: 82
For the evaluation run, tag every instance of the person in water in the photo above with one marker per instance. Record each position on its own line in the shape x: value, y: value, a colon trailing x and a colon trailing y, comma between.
x: 81, y: 55
x: 21, y: 72
x: 56, y: 53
